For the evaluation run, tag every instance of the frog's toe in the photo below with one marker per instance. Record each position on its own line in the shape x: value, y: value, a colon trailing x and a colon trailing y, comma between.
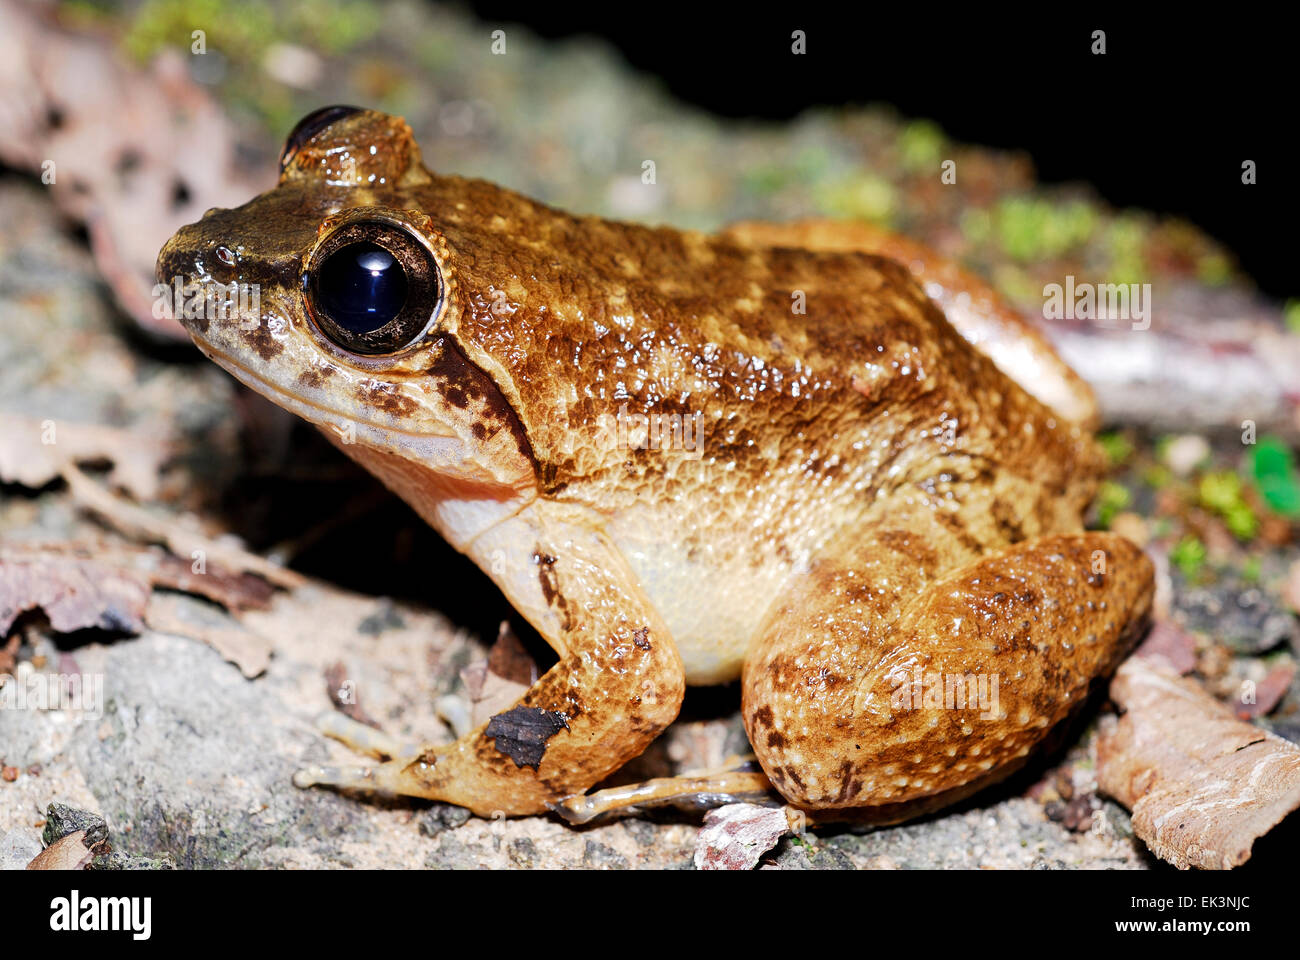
x: 362, y: 738
x: 394, y: 778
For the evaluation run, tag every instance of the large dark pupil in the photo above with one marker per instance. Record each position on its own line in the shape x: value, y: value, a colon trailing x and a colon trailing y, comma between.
x: 361, y: 286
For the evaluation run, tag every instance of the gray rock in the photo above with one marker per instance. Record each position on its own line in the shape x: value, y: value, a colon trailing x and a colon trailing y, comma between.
x: 442, y: 816
x: 18, y: 847
x: 597, y: 856
x: 61, y: 820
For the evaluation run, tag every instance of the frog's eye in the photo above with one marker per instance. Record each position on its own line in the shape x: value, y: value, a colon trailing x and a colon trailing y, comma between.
x: 309, y: 126
x: 372, y: 287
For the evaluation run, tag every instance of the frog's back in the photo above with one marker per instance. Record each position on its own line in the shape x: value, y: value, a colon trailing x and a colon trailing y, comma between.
x: 724, y: 409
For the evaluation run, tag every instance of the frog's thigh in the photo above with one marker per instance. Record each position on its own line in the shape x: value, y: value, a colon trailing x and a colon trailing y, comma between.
x: 860, y: 691
x: 979, y: 313
x: 618, y: 683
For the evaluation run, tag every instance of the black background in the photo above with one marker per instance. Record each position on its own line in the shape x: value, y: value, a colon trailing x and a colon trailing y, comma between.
x: 1163, y: 121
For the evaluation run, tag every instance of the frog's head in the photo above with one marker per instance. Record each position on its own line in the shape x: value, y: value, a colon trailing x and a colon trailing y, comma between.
x: 334, y: 295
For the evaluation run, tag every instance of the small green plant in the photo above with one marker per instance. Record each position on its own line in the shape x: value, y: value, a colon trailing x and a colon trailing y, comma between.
x: 1111, y: 499
x: 1272, y: 467
x: 1117, y: 446
x: 1188, y: 555
x: 1222, y: 492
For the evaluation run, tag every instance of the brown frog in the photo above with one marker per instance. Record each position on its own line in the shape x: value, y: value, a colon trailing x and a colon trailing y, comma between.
x: 764, y: 455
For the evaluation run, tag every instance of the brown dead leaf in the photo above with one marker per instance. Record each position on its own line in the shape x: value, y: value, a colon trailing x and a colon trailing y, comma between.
x: 33, y: 452
x: 734, y: 837
x: 343, y: 694
x: 74, y: 592
x: 1170, y: 645
x: 1202, y: 784
x: 112, y: 586
x: 1267, y: 692
x: 509, y: 660
x: 186, y: 617
x: 68, y: 853
x: 133, y: 179
x: 140, y: 524
x: 1291, y: 589
x: 493, y: 685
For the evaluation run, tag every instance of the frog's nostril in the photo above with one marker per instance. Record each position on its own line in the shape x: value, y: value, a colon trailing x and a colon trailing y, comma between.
x: 309, y: 126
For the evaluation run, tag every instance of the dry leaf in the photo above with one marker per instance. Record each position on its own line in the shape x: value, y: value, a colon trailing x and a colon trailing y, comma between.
x: 1291, y: 589
x: 74, y: 592
x: 34, y: 452
x: 1202, y: 784
x: 1170, y: 645
x: 133, y: 179
x: 69, y: 853
x: 734, y: 837
x: 495, y: 684
x: 1268, y: 692
x: 343, y: 694
x: 234, y: 591
x: 140, y: 524
x: 9, y: 655
x: 185, y: 617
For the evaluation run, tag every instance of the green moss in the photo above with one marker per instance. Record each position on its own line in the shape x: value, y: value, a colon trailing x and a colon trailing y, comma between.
x: 765, y: 180
x: 1033, y: 228
x: 864, y: 196
x: 240, y: 29
x: 1124, y: 240
x: 1111, y: 499
x: 1214, y: 269
x: 1118, y: 447
x: 976, y: 226
x: 1291, y: 315
x: 1222, y: 492
x: 1251, y: 569
x: 1157, y: 476
x: 920, y: 146
x: 1188, y: 555
x: 335, y: 26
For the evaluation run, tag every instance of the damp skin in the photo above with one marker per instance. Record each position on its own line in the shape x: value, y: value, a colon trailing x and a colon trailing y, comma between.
x: 812, y: 458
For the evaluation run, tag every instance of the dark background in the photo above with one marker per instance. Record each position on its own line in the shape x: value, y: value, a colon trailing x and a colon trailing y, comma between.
x: 1163, y: 121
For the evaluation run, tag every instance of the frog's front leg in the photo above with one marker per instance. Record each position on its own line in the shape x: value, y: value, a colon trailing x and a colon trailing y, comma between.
x: 618, y: 683
x: 908, y: 664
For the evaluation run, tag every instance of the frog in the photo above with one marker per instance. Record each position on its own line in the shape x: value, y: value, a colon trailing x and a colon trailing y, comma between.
x: 816, y: 461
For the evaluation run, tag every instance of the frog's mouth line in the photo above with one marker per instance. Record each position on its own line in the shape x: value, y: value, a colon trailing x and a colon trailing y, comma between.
x: 314, y: 413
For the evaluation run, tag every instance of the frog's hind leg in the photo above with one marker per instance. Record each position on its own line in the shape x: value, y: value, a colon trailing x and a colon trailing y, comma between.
x: 891, y: 673
x: 736, y: 780
x: 618, y: 683
x: 979, y: 313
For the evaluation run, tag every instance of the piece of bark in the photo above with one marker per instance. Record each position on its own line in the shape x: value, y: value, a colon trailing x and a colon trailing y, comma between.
x: 521, y: 734
x: 734, y: 837
x: 1202, y: 784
